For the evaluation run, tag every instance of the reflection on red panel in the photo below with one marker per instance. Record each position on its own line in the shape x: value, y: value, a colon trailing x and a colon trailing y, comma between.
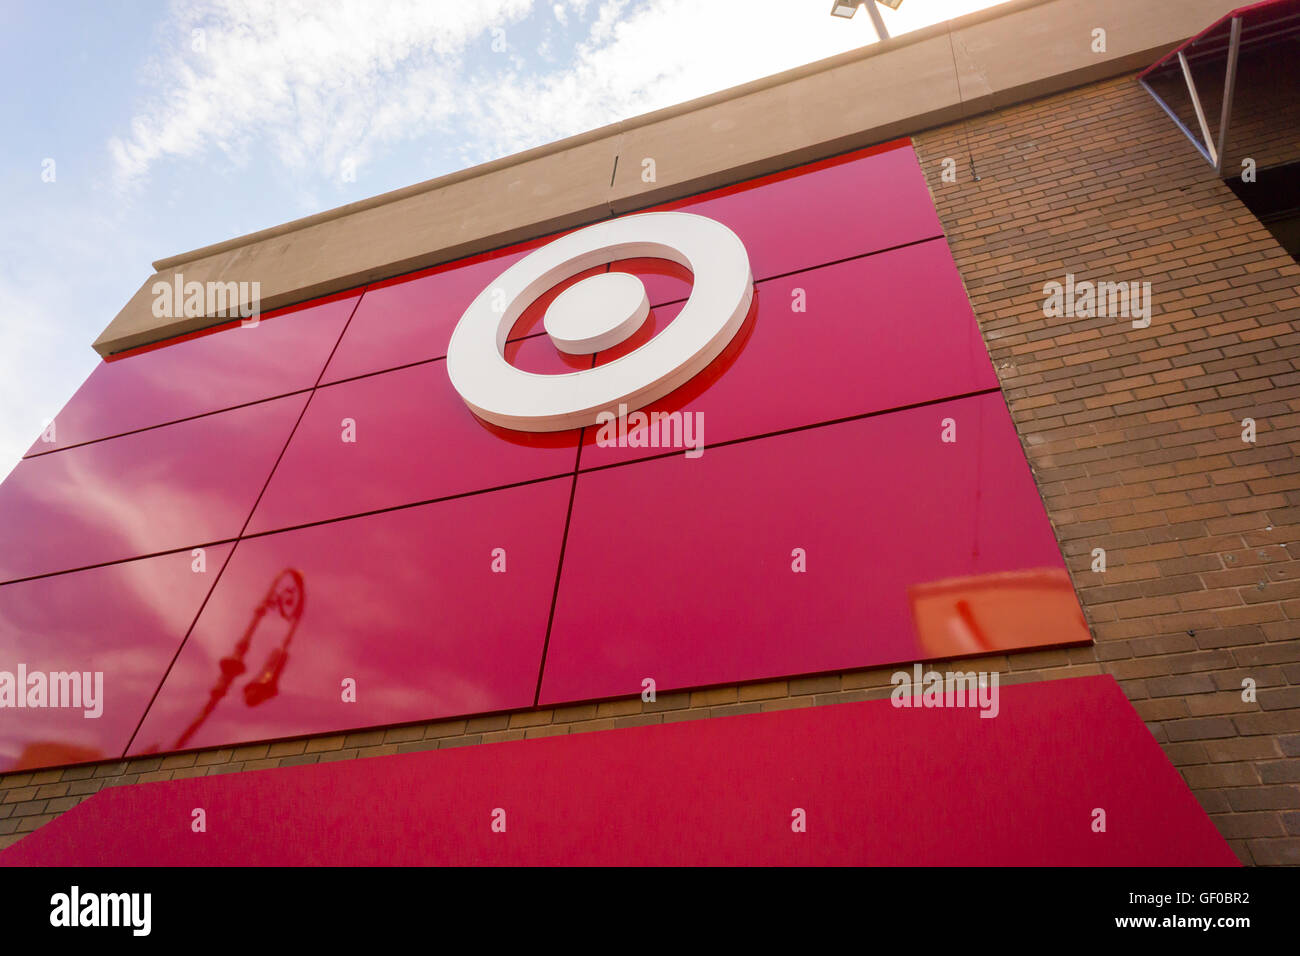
x: 874, y: 333
x: 152, y: 491
x: 125, y: 621
x: 530, y: 323
x: 411, y: 318
x: 879, y: 786
x: 537, y: 354
x: 219, y: 368
x: 664, y: 280
x: 431, y: 611
x: 847, y: 206
x: 415, y: 440
x: 282, y: 606
x: 684, y: 570
x: 996, y: 612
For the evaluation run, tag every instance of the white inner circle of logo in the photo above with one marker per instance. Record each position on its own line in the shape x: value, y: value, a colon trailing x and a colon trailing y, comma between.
x: 597, y: 313
x: 510, y: 397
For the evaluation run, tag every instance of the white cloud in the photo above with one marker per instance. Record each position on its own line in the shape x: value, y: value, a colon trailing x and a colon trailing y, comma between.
x: 315, y: 83
x: 30, y: 341
x: 643, y: 57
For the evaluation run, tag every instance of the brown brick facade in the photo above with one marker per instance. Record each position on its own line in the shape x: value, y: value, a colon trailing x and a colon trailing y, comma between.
x: 1134, y: 436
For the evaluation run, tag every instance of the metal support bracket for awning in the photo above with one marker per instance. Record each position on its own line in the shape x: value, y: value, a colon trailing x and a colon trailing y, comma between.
x: 1212, y: 151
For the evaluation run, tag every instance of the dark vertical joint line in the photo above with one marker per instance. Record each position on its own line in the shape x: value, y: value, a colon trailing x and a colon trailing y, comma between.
x: 559, y: 569
x: 559, y: 565
x: 235, y: 544
x: 339, y: 341
x: 301, y: 415
x: 175, y: 657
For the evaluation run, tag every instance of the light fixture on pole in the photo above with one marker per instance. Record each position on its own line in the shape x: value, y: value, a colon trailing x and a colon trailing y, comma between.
x: 846, y: 9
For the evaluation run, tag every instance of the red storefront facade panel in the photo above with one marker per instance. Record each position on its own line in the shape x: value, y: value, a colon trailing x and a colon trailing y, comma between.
x: 879, y: 332
x: 124, y: 622
x: 664, y: 281
x: 850, y: 205
x: 415, y: 440
x: 410, y: 319
x: 416, y: 606
x: 875, y: 784
x: 686, y: 571
x: 231, y: 365
x: 162, y: 489
x: 852, y: 535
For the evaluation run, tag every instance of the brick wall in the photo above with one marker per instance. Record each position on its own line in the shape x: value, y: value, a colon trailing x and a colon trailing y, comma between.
x: 1134, y: 437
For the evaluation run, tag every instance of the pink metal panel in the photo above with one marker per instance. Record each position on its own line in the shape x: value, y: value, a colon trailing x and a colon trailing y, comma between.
x: 676, y: 569
x: 878, y: 332
x: 878, y: 785
x: 415, y: 441
x: 407, y: 604
x: 152, y: 491
x: 410, y: 318
x: 846, y: 206
x: 530, y: 322
x: 682, y: 570
x: 537, y: 354
x: 219, y: 368
x: 125, y: 621
x: 665, y: 281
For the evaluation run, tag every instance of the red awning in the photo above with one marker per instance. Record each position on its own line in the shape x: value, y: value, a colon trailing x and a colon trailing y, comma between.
x: 1219, y: 46
x: 1260, y: 21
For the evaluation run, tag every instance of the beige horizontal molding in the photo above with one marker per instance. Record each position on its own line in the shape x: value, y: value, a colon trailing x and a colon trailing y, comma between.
x: 505, y: 205
x: 1005, y: 55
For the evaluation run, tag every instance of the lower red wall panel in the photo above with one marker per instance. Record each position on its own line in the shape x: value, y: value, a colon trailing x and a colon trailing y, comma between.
x: 878, y: 785
x: 681, y: 570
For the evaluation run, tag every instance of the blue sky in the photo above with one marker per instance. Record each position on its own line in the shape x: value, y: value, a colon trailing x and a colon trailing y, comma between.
x: 172, y: 125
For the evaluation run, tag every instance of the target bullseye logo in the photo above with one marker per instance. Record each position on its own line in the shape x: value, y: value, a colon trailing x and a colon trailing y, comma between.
x: 598, y: 313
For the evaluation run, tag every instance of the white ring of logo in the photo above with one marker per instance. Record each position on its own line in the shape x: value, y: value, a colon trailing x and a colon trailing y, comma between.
x: 719, y: 301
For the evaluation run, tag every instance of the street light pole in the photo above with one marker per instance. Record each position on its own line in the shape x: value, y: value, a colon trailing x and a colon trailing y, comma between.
x: 846, y: 9
x: 876, y: 19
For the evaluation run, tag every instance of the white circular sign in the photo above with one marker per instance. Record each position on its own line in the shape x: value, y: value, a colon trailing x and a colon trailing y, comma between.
x: 719, y: 301
x: 597, y: 313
